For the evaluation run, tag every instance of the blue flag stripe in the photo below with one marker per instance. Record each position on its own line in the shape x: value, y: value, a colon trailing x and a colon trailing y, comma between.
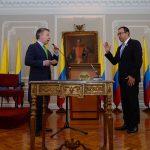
x: 62, y: 75
x: 146, y: 78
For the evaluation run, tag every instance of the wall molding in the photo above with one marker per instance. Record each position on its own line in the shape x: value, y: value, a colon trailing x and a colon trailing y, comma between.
x: 57, y: 17
x: 146, y: 27
x: 72, y: 3
x: 19, y: 24
x: 22, y: 7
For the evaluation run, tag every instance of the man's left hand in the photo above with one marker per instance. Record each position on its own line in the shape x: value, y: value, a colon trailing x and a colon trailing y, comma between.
x: 131, y: 80
x: 53, y: 62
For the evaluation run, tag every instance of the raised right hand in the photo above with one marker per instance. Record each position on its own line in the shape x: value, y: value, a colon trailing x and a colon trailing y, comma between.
x: 107, y: 47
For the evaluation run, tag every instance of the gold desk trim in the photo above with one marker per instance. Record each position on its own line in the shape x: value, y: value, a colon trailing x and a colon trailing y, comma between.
x: 75, y: 88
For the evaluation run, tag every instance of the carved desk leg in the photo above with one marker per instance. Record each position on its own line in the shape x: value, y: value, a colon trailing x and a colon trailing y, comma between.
x: 44, y: 123
x: 105, y: 124
x: 110, y: 122
x: 33, y: 123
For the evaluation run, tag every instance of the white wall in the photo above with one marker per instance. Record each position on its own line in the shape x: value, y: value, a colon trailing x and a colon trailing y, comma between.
x: 16, y: 23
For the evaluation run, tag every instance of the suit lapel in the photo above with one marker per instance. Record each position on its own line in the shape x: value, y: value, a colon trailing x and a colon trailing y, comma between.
x: 41, y: 50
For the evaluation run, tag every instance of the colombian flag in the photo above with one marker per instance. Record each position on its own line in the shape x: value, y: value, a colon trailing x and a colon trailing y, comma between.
x: 116, y: 86
x: 18, y: 66
x: 18, y: 60
x: 4, y: 63
x: 101, y: 61
x: 102, y: 67
x: 61, y: 71
x: 146, y: 74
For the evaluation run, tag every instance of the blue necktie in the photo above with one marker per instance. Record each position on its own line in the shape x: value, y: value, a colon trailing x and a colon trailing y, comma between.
x: 122, y: 48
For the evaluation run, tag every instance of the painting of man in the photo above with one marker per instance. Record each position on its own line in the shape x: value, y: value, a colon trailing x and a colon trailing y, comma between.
x: 81, y: 47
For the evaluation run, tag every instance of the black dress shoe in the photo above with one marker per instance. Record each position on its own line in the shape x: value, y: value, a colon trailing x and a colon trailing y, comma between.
x: 49, y: 111
x: 61, y: 110
x: 132, y: 129
x: 123, y: 127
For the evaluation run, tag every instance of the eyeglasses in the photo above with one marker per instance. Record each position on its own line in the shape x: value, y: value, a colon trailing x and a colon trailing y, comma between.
x: 120, y: 33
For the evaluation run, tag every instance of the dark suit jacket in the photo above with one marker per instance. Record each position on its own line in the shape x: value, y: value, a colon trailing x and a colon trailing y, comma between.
x: 34, y: 58
x: 130, y: 61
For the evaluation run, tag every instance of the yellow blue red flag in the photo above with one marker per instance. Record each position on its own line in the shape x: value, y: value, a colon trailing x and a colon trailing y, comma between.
x: 146, y: 74
x: 61, y: 72
x: 18, y: 60
x: 116, y: 86
x: 62, y: 68
x: 101, y: 60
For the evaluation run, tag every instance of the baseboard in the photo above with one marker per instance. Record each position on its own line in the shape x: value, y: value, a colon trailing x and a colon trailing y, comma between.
x: 54, y: 105
x: 51, y: 105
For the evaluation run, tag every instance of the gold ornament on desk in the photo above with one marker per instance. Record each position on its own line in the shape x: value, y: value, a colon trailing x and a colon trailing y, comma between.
x: 79, y: 27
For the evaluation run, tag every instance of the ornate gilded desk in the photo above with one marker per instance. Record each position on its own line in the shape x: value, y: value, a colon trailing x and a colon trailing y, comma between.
x: 72, y: 88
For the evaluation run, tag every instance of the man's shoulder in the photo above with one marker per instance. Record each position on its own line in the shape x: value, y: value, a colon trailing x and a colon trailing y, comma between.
x: 134, y: 41
x: 33, y: 45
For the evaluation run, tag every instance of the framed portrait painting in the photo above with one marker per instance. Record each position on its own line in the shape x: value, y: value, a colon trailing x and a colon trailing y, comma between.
x: 81, y: 47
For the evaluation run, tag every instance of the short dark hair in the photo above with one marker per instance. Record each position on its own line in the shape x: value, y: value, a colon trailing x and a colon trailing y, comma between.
x: 125, y: 29
x: 39, y: 31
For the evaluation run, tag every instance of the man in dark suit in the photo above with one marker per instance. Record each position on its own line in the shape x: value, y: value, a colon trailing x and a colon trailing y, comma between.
x: 39, y: 58
x: 129, y: 58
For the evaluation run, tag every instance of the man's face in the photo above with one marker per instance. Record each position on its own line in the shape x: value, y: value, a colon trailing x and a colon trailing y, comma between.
x: 123, y: 36
x: 45, y: 37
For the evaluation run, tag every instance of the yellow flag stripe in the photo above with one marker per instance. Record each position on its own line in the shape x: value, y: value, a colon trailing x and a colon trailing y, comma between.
x: 61, y: 58
x: 115, y: 67
x: 4, y: 63
x: 18, y: 58
x: 101, y: 58
x: 33, y: 40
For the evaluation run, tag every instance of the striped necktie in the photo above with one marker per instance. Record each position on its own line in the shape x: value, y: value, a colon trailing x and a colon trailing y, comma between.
x: 46, y: 51
x: 122, y: 48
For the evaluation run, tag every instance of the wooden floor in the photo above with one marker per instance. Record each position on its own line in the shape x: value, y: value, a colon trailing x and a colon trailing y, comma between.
x: 18, y: 139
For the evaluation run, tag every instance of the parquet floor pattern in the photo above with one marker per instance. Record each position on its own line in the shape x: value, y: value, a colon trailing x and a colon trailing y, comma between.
x: 18, y: 139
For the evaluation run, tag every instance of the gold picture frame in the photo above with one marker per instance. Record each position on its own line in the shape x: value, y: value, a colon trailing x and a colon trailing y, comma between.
x: 81, y: 47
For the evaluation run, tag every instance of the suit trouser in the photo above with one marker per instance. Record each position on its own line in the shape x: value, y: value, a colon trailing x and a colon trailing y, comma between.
x: 39, y: 109
x: 130, y: 103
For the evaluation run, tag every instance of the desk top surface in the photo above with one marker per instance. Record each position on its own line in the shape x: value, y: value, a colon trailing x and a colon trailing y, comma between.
x: 98, y: 81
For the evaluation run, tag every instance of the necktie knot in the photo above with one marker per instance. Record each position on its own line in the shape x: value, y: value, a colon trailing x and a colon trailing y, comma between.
x: 44, y: 47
